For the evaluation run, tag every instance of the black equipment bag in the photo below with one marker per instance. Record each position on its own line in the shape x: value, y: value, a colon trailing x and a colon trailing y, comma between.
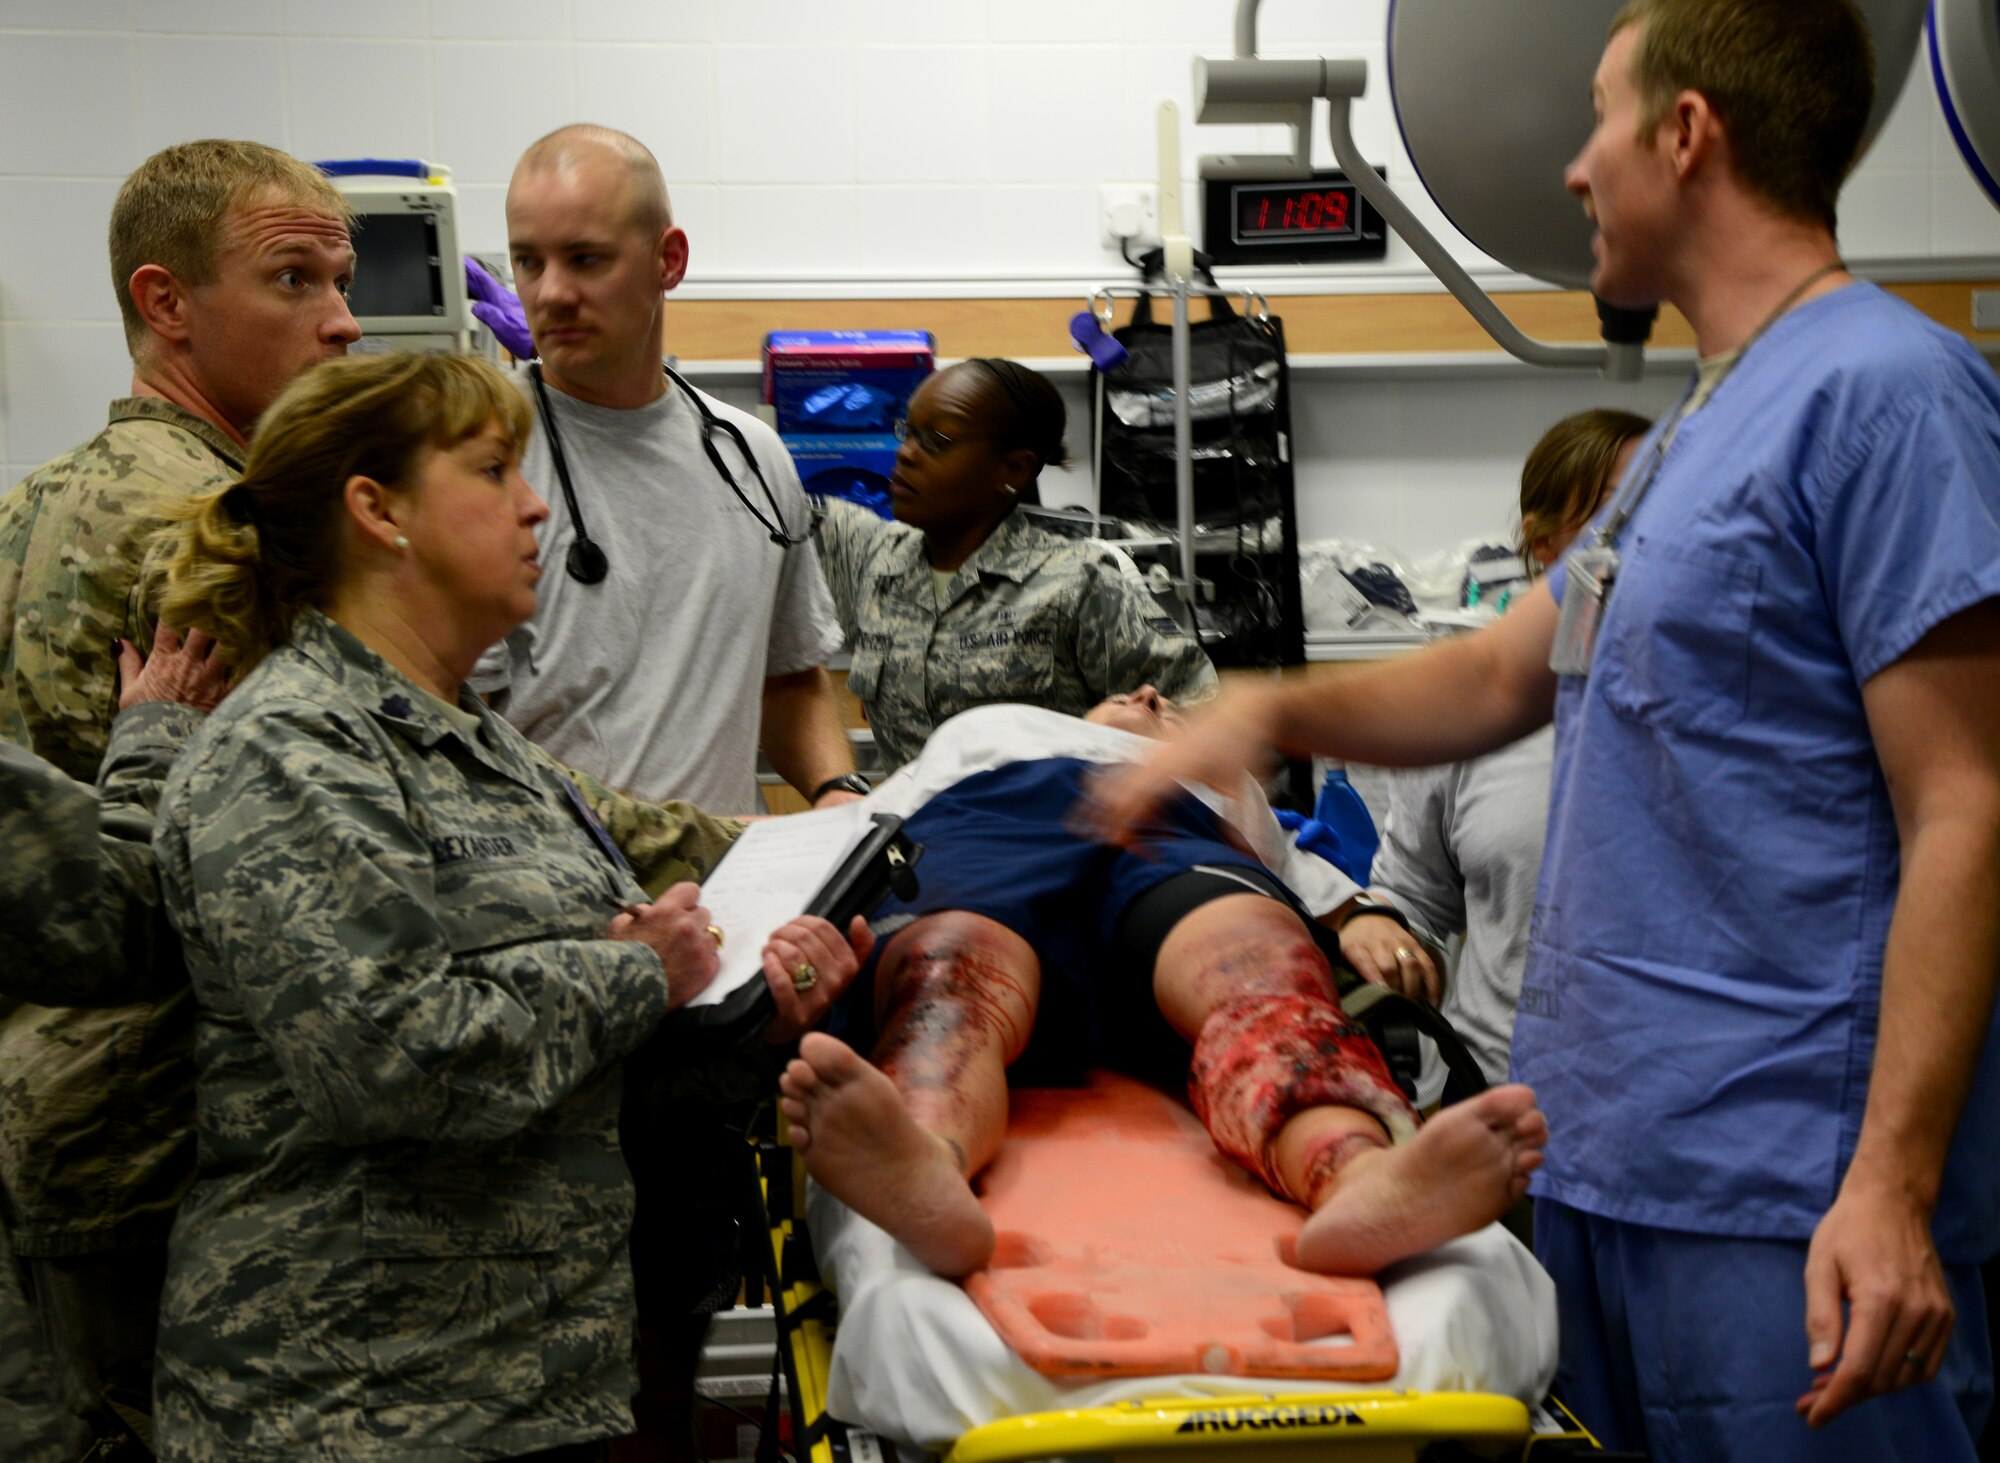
x: 1246, y: 528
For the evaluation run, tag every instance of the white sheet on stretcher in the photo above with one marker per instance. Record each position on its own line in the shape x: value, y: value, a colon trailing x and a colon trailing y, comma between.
x: 916, y: 1361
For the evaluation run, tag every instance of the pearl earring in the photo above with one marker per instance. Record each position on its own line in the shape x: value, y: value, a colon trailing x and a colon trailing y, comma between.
x: 401, y: 543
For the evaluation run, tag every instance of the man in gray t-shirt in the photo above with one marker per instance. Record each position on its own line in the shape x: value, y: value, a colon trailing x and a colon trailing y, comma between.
x: 704, y: 637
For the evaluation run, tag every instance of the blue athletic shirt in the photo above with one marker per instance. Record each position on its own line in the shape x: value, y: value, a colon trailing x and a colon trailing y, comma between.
x: 1699, y: 1008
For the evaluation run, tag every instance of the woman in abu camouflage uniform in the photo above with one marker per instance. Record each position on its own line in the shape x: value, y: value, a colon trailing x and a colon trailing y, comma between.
x: 962, y: 602
x: 407, y: 1236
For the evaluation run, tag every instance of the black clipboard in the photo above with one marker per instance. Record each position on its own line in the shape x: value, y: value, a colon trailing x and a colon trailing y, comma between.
x: 884, y: 862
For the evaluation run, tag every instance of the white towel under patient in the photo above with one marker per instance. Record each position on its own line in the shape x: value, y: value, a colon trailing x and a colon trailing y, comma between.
x: 915, y: 1361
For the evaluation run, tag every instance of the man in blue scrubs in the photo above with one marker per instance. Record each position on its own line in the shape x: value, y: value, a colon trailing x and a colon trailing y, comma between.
x: 1760, y: 986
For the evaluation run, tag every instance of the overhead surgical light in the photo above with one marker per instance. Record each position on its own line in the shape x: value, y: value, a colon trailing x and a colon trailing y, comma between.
x: 1965, y: 65
x: 1492, y: 100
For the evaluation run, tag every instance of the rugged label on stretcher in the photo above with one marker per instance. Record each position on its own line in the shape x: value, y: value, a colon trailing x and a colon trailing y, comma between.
x: 1260, y: 1419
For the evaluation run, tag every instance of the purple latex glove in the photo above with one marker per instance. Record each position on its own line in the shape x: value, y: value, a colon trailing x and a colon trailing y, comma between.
x: 499, y: 309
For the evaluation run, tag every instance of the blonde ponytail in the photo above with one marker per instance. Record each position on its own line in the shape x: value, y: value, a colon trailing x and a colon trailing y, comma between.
x: 242, y: 563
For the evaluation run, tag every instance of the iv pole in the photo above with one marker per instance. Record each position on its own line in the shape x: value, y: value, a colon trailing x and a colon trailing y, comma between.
x: 1177, y: 263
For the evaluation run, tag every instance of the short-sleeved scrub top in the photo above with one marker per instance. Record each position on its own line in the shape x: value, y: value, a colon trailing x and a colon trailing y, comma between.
x: 1698, y: 1013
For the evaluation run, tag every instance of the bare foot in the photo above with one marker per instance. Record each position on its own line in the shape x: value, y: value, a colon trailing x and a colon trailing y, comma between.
x: 1460, y: 1172
x: 861, y: 1145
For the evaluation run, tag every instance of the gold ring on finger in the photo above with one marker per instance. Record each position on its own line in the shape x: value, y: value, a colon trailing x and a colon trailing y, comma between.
x: 716, y: 930
x: 1404, y: 952
x: 804, y: 977
x: 1911, y: 1358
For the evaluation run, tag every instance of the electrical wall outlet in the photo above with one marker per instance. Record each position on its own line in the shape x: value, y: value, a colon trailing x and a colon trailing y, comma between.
x: 1128, y: 211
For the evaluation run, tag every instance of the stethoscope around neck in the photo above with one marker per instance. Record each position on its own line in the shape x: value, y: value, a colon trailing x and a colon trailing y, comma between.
x: 586, y: 562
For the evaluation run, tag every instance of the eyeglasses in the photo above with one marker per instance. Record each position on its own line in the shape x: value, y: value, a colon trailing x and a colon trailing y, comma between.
x: 930, y: 441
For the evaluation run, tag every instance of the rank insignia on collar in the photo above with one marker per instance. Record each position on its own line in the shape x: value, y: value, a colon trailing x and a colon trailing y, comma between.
x: 396, y: 706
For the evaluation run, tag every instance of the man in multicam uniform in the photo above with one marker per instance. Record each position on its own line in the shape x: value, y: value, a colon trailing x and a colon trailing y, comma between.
x: 230, y: 262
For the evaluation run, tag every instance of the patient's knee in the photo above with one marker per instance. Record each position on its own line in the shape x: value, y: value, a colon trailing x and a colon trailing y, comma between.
x: 954, y: 976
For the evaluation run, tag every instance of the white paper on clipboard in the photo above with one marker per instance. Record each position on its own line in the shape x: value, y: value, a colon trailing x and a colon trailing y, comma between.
x: 770, y: 876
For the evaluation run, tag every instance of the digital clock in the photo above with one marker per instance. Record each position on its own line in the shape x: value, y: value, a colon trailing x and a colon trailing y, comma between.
x: 1292, y: 211
x: 1323, y: 219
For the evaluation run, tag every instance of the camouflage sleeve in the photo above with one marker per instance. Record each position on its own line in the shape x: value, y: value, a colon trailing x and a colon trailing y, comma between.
x: 79, y: 889
x: 665, y: 843
x: 33, y: 1428
x: 391, y: 1015
x: 846, y: 536
x: 66, y: 674
x: 1126, y: 640
x: 145, y: 740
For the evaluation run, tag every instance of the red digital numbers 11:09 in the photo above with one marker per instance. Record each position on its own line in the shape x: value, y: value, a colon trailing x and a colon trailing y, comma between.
x: 1328, y: 211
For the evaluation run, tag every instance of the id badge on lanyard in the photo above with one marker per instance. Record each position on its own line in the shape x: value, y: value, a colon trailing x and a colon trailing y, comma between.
x: 1592, y: 571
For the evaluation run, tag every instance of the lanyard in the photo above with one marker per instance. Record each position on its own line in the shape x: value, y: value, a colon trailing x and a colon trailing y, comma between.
x: 1627, y: 501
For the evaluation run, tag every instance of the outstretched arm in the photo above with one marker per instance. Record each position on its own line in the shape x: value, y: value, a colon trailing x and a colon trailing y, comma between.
x: 1443, y: 704
x: 1935, y: 718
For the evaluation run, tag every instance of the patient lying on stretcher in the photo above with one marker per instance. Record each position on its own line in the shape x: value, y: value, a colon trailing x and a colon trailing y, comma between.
x: 1033, y: 949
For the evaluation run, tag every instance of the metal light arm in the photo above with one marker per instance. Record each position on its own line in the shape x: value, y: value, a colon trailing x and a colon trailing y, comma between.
x: 1618, y: 362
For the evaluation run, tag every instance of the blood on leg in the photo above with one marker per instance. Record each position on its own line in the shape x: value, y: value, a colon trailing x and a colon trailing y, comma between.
x: 955, y: 1000
x: 1242, y: 979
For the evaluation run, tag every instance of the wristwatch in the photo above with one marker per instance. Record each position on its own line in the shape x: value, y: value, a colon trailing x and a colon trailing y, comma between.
x: 1366, y: 903
x: 852, y: 782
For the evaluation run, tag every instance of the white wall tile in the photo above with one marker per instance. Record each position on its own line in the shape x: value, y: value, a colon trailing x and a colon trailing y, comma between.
x: 792, y: 23
x: 1964, y: 221
x: 927, y: 226
x: 784, y: 116
x: 1048, y: 109
x: 67, y: 14
x: 500, y: 20
x: 1308, y: 27
x: 1206, y: 26
x: 493, y: 100
x: 53, y: 259
x: 329, y: 120
x: 926, y: 120
x: 86, y: 81
x: 698, y: 213
x: 1438, y: 510
x: 378, y: 18
x: 662, y: 95
x: 482, y: 217
x: 1046, y: 227
x: 1886, y: 215
x: 1070, y: 22
x: 790, y: 230
x: 58, y: 380
x: 227, y: 17
x: 250, y: 106
x: 924, y: 22
x: 643, y: 20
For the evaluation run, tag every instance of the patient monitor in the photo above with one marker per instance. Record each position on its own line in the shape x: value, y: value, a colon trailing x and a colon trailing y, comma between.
x: 409, y: 278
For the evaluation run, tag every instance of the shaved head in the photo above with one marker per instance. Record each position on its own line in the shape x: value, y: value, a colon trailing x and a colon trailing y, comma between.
x: 583, y: 146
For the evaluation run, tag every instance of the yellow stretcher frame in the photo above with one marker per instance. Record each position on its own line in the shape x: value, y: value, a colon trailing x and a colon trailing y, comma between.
x: 1364, y: 1427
